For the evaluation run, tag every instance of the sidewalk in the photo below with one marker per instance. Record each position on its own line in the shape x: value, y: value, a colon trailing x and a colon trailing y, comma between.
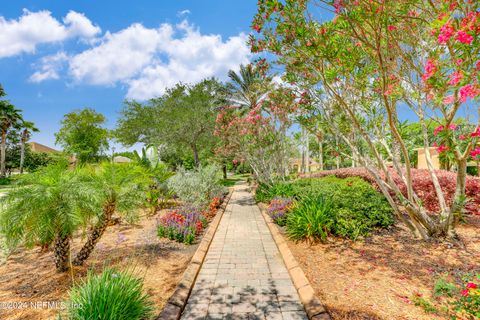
x: 243, y: 275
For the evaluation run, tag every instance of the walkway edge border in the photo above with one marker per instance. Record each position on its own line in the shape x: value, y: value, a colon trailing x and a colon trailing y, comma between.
x: 311, y: 303
x: 176, y: 303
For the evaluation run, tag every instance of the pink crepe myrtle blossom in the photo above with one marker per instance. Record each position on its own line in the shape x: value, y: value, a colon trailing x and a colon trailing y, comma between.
x: 461, y: 137
x: 437, y: 130
x: 464, y: 293
x: 446, y: 32
x: 449, y: 99
x: 474, y: 154
x: 476, y: 133
x: 392, y: 27
x: 455, y: 78
x: 468, y: 91
x: 430, y: 69
x: 442, y: 148
x: 452, y: 126
x: 464, y: 37
x: 477, y: 65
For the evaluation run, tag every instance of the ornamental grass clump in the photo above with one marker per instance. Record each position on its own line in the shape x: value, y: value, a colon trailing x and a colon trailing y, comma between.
x: 278, y: 209
x: 182, y: 224
x: 312, y: 219
x: 112, y: 294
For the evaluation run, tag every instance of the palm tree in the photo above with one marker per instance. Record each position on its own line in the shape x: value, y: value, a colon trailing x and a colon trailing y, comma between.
x: 26, y: 128
x: 48, y: 206
x: 248, y: 87
x: 9, y: 116
x: 121, y: 188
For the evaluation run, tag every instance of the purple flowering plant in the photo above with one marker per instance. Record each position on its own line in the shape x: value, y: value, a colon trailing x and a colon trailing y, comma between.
x: 278, y: 209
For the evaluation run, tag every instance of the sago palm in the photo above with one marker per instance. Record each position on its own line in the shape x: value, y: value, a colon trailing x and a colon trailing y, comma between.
x: 47, y: 206
x: 9, y: 116
x: 26, y: 128
x: 120, y: 188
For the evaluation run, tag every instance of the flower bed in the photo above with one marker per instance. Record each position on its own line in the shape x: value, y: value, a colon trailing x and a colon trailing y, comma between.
x: 422, y: 185
x: 182, y: 224
x: 278, y: 208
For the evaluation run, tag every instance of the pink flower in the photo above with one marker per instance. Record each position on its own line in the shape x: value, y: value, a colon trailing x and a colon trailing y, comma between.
x: 464, y: 293
x: 455, y: 78
x: 446, y: 32
x: 438, y: 130
x: 459, y: 62
x: 461, y: 137
x: 477, y: 66
x: 452, y: 126
x: 472, y: 285
x: 442, y: 148
x: 449, y: 99
x: 464, y: 37
x: 475, y: 133
x: 392, y: 27
x: 474, y: 153
x: 468, y: 91
x: 430, y: 69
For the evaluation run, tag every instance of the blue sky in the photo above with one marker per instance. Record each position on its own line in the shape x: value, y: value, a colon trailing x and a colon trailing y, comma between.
x: 56, y: 56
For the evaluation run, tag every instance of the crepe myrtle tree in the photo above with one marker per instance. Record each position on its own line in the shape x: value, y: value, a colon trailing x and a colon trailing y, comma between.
x: 374, y: 58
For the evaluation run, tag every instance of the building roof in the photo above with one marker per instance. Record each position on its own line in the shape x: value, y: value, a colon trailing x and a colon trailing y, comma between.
x: 38, y: 147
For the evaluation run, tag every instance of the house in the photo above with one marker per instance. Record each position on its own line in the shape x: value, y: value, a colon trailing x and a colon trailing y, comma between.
x: 38, y: 148
x: 296, y: 165
x: 422, y: 159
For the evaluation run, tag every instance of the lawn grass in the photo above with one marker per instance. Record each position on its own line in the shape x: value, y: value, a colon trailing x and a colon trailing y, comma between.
x: 233, y: 179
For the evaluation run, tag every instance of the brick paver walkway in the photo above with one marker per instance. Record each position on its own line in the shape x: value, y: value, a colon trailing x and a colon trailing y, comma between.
x: 243, y: 275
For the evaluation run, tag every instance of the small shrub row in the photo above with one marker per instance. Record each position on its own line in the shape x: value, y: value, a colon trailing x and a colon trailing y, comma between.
x: 422, y: 185
x: 331, y: 206
x: 182, y: 224
x: 278, y: 209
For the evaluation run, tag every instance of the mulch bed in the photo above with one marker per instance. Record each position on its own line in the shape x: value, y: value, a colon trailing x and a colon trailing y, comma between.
x: 377, y: 277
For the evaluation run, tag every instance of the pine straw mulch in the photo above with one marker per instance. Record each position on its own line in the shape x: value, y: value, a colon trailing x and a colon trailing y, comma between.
x: 377, y: 277
x: 30, y: 276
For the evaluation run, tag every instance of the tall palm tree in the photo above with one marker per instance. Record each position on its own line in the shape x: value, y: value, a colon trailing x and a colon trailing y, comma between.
x: 247, y: 87
x: 26, y: 128
x: 48, y: 206
x: 9, y: 116
x: 121, y: 188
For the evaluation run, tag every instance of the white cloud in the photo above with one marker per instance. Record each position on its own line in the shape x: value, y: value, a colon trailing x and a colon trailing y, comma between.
x: 49, y: 67
x: 80, y: 26
x: 22, y: 35
x: 183, y: 12
x: 150, y: 60
x: 120, y: 55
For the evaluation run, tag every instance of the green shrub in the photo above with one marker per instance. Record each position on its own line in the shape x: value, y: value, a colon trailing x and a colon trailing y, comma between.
x: 358, y: 206
x: 444, y: 288
x: 266, y: 193
x: 312, y: 219
x: 197, y: 187
x: 110, y: 295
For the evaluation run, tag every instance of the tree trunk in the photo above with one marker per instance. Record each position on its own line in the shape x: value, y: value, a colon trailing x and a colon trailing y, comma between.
x: 307, y: 152
x: 320, y: 153
x: 95, y: 234
x: 195, y: 155
x: 22, y: 155
x: 3, y: 145
x: 61, y: 252
x: 224, y: 169
x: 337, y: 155
x: 459, y: 199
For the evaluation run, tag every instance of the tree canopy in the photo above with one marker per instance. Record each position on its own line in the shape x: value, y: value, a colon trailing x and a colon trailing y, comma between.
x: 82, y: 133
